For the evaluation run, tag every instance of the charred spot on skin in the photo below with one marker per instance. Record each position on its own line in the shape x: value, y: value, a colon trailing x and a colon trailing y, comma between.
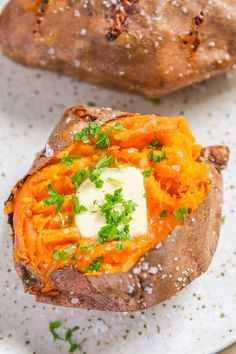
x: 191, y: 40
x: 29, y: 276
x: 40, y: 12
x: 120, y: 16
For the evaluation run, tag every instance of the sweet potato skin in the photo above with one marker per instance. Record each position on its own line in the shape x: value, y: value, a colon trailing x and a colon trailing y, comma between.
x: 190, y: 247
x: 147, y: 47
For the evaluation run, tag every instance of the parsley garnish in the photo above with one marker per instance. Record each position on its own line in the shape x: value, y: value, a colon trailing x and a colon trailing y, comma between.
x: 163, y: 214
x: 95, y: 265
x: 120, y: 245
x: 118, y: 165
x: 94, y: 130
x: 86, y: 248
x: 91, y: 104
x: 52, y: 327
x: 55, y: 199
x: 114, y: 181
x: 68, y: 336
x: 179, y: 213
x: 63, y: 255
x: 68, y: 160
x: 223, y: 219
x: 158, y: 157
x: 147, y: 173
x: 155, y: 100
x: 79, y: 177
x: 78, y: 208
x: 96, y: 171
x: 156, y: 143
x: 117, y: 222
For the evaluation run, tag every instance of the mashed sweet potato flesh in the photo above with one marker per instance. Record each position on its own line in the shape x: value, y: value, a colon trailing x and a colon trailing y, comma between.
x: 180, y: 181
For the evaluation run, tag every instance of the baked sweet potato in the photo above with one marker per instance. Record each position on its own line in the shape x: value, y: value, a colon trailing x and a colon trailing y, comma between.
x: 146, y: 47
x: 113, y: 269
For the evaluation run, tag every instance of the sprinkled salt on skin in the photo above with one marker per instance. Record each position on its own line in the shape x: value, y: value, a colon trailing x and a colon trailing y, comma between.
x: 51, y: 51
x: 153, y: 270
x: 48, y: 151
x: 83, y: 32
x: 76, y: 13
x: 74, y: 300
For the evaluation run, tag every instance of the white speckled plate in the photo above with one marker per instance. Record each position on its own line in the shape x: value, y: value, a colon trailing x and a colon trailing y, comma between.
x: 200, y: 319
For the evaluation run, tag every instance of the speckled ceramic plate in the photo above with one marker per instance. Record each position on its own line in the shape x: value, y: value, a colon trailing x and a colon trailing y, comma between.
x: 201, y: 318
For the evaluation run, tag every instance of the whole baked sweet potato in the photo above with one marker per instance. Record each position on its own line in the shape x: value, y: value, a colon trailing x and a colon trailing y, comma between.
x: 153, y: 194
x: 147, y: 47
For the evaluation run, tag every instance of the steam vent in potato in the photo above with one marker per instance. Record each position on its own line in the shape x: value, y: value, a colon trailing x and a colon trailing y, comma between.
x: 118, y: 212
x: 147, y: 47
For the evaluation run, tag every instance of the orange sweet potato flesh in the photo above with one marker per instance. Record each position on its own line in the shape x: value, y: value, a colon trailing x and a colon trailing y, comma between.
x: 181, y: 180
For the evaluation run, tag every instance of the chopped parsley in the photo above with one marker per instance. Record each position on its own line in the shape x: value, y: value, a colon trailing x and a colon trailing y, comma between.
x: 94, y: 130
x: 155, y: 100
x: 79, y: 177
x: 119, y: 165
x: 68, y: 160
x: 52, y: 327
x: 223, y: 219
x: 91, y: 104
x: 163, y: 214
x: 86, y: 248
x: 68, y: 336
x: 117, y: 221
x: 55, y: 199
x: 78, y: 208
x: 147, y: 173
x: 179, y: 213
x: 63, y: 255
x: 95, y: 172
x: 96, y: 265
x: 157, y: 157
x: 156, y: 143
x: 120, y: 245
x: 114, y: 181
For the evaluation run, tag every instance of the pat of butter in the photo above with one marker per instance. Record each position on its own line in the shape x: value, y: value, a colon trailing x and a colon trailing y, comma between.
x: 90, y: 222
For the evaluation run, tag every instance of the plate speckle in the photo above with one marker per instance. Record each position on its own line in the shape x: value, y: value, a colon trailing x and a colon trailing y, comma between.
x: 200, y: 319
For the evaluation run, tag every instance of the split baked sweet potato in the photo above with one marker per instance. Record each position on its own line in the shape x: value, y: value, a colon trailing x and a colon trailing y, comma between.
x: 144, y: 250
x: 147, y: 47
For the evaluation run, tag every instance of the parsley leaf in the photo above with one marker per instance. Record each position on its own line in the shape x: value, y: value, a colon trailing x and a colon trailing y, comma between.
x: 117, y: 222
x: 223, y: 219
x: 147, y: 173
x: 91, y: 104
x: 158, y: 157
x: 79, y: 177
x: 68, y: 160
x: 95, y: 130
x: 114, y: 181
x: 78, y: 208
x: 179, y: 213
x: 52, y: 327
x: 95, y: 265
x: 95, y: 172
x: 156, y: 143
x: 68, y: 336
x: 55, y: 199
x: 120, y: 245
x: 155, y: 100
x: 163, y: 214
x: 63, y: 255
x: 86, y: 248
x: 92, y: 130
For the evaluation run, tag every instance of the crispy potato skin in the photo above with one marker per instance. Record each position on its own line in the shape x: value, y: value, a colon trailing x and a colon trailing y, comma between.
x: 183, y: 256
x: 147, y: 47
